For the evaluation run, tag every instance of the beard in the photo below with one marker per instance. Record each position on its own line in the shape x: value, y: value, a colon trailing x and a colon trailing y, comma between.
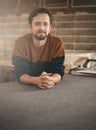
x: 40, y: 37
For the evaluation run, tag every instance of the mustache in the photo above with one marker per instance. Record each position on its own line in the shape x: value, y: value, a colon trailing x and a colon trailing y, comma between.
x: 40, y: 31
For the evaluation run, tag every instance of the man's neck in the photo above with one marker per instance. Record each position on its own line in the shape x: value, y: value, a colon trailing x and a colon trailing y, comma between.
x: 39, y: 43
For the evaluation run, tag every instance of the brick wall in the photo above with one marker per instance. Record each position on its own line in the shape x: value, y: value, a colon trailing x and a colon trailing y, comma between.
x: 77, y: 30
x: 11, y: 27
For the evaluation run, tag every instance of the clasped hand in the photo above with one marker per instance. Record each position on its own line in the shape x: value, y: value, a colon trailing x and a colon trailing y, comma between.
x: 46, y: 80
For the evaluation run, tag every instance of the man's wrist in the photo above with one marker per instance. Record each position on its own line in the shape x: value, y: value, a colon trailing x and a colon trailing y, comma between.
x: 56, y: 78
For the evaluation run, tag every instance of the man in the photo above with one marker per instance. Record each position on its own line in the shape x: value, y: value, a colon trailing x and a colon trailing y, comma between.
x: 38, y: 57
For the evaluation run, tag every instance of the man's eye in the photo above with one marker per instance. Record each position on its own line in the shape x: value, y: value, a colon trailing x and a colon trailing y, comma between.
x: 37, y: 23
x: 45, y: 24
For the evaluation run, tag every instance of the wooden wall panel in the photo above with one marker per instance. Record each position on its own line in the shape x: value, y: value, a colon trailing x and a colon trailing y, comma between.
x: 77, y: 30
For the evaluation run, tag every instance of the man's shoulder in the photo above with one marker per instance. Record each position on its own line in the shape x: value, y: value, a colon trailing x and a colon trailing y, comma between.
x: 24, y: 39
x: 26, y: 36
x: 55, y: 39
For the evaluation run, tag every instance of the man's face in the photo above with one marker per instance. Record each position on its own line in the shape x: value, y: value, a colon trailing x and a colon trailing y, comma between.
x: 40, y: 26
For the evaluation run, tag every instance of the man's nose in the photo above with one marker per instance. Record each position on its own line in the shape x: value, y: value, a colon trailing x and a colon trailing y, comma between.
x: 42, y: 26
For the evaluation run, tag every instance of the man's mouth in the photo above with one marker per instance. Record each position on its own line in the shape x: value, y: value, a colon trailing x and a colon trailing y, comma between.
x: 40, y: 32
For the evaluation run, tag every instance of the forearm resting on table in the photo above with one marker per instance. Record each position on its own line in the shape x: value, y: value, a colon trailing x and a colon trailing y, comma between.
x: 27, y: 79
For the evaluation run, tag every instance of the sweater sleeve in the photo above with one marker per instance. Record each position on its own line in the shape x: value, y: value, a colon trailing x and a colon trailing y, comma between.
x: 19, y: 60
x: 58, y: 54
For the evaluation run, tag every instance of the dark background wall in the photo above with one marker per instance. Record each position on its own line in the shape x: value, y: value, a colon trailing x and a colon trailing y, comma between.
x: 17, y: 7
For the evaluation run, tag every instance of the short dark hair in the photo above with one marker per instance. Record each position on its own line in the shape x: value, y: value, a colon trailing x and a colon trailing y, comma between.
x: 38, y: 11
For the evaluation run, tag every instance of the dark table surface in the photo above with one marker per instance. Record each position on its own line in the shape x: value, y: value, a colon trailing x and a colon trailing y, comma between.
x: 70, y: 105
